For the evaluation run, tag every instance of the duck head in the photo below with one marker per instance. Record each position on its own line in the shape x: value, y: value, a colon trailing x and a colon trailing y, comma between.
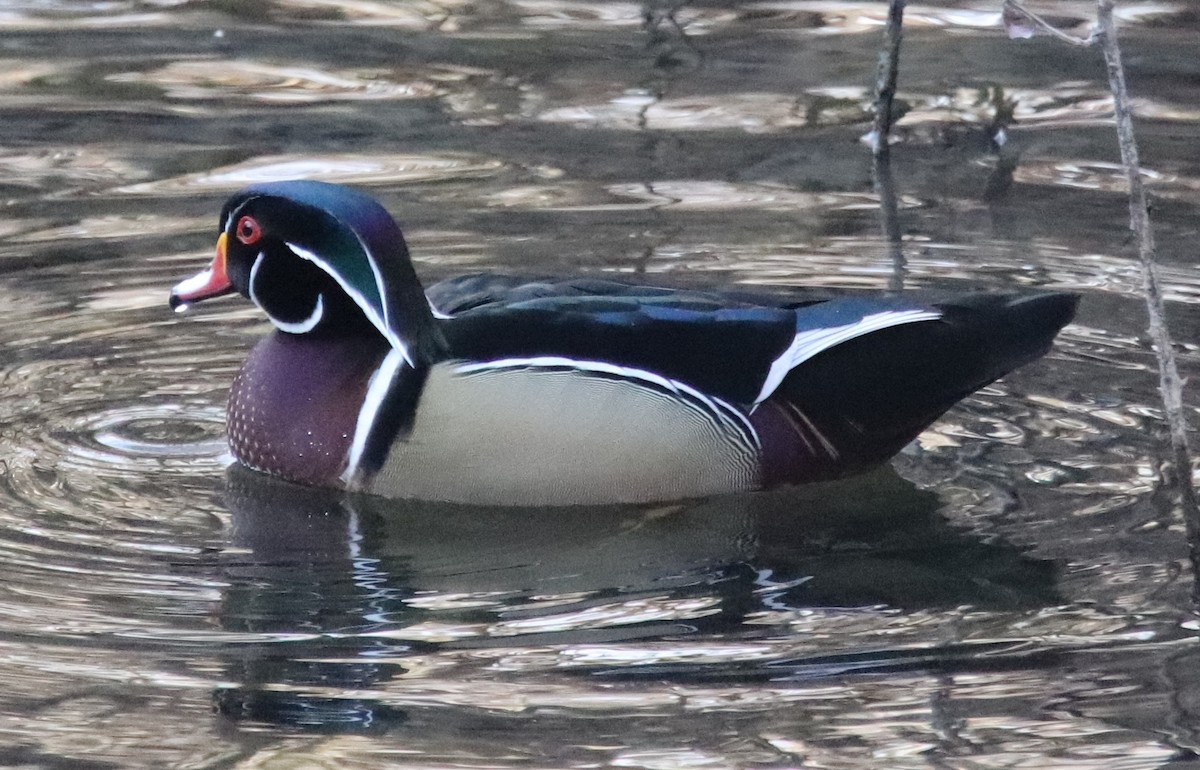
x: 319, y: 258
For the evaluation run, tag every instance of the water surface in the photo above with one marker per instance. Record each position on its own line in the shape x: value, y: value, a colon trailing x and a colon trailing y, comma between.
x: 1010, y: 593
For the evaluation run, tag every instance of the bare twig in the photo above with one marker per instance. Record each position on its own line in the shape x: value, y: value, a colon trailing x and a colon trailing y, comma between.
x: 1170, y: 384
x: 889, y: 214
x: 885, y: 77
x: 885, y: 94
x: 1139, y: 218
x: 1046, y: 26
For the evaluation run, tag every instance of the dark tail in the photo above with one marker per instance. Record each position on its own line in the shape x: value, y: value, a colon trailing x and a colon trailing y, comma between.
x: 862, y: 401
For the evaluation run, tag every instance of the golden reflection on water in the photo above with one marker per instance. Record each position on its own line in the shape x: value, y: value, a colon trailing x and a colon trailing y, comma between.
x: 1059, y: 105
x: 53, y: 165
x: 345, y: 168
x: 712, y: 195
x: 115, y: 227
x: 64, y: 15
x: 640, y: 110
x: 412, y: 15
x: 274, y: 83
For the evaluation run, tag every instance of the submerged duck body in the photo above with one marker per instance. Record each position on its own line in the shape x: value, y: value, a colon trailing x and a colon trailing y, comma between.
x: 494, y: 390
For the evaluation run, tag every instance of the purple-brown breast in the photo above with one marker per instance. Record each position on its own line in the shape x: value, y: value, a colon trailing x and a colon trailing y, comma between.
x: 294, y: 405
x: 793, y: 452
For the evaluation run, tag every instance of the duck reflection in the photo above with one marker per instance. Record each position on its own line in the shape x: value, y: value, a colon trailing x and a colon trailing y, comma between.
x: 332, y: 593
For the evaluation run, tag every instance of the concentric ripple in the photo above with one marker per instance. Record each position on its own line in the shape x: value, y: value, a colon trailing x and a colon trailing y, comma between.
x: 164, y: 432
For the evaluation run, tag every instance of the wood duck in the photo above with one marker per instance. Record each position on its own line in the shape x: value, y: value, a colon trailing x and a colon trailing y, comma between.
x: 497, y: 391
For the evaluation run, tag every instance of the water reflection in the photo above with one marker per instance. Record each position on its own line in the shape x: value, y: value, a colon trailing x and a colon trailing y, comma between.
x: 638, y: 110
x: 342, y: 168
x: 275, y: 84
x: 361, y: 586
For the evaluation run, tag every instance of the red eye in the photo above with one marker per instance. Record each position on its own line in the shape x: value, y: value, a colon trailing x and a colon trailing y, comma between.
x: 248, y: 230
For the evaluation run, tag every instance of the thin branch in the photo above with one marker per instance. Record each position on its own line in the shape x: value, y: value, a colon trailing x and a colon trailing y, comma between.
x: 885, y: 77
x: 889, y: 214
x: 1170, y: 382
x: 881, y: 162
x: 1046, y: 26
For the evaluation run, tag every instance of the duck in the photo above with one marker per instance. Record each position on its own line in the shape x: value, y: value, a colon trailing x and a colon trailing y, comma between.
x: 509, y: 391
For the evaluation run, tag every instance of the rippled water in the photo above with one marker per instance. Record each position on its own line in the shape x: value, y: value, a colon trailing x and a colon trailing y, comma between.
x: 1012, y: 593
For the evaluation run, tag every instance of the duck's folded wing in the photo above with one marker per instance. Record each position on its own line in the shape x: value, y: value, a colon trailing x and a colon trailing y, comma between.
x: 467, y: 293
x: 858, y: 402
x: 736, y: 352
